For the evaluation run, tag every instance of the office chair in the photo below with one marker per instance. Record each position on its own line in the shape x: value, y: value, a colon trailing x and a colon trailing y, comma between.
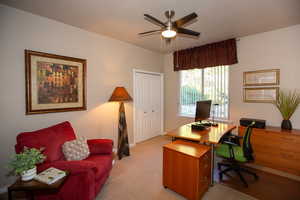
x: 236, y: 154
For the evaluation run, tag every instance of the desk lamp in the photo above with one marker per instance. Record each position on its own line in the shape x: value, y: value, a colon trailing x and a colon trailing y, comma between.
x: 214, y: 112
x: 120, y: 95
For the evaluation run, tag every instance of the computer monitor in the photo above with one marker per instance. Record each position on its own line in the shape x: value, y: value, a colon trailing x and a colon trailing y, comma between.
x: 202, y: 110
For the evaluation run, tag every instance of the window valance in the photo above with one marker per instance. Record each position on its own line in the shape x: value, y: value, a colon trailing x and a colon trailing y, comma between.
x: 209, y: 55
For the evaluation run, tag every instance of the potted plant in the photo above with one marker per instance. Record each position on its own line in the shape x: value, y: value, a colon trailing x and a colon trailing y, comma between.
x: 287, y: 104
x: 24, y: 163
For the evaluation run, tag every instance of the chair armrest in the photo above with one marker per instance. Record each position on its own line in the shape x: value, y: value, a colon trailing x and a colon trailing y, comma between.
x: 236, y: 136
x: 230, y: 143
x: 100, y: 146
x: 73, y: 167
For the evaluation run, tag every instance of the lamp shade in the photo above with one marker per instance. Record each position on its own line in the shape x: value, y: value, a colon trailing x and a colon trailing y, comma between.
x: 120, y: 94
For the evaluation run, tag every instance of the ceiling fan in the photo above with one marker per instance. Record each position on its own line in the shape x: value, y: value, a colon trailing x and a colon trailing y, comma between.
x: 171, y: 28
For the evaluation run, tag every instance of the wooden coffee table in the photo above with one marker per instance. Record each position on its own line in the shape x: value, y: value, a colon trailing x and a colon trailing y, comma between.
x: 34, y: 186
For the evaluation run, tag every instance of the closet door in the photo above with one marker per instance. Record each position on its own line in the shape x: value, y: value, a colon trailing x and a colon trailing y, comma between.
x: 155, y: 105
x: 147, y: 106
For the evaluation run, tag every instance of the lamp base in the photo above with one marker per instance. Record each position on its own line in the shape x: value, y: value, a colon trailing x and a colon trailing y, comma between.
x: 123, y: 144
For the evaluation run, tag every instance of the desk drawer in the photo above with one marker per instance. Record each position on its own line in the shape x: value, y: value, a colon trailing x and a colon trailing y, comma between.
x: 185, y: 172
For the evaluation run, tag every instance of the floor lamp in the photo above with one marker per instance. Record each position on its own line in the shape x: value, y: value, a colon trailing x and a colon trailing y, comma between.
x: 120, y: 95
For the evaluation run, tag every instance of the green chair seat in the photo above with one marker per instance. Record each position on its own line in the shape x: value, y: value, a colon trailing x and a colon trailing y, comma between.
x: 224, y: 151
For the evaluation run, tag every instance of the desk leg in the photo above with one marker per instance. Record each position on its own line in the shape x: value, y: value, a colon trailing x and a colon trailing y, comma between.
x: 9, y: 194
x: 212, y: 165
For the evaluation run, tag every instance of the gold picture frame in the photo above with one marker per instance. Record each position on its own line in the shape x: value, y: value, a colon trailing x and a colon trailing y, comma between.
x: 54, y: 83
x: 262, y: 77
x: 261, y: 95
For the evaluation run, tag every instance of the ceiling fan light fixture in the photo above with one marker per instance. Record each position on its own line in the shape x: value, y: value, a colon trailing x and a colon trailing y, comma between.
x: 169, y: 33
x: 169, y: 29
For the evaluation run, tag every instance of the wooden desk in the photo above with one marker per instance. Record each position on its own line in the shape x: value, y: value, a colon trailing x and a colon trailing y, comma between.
x: 186, y: 168
x: 211, y: 136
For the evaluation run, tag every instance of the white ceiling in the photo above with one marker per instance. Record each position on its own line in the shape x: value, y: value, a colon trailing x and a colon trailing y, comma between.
x: 123, y: 19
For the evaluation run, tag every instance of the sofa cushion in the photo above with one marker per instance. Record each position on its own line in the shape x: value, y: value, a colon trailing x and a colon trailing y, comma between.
x: 52, y: 138
x: 76, y: 149
x: 100, y: 146
x: 103, y: 164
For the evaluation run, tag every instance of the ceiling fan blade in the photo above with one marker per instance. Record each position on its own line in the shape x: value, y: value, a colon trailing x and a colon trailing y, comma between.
x: 150, y: 32
x: 155, y: 21
x: 187, y: 32
x: 185, y: 19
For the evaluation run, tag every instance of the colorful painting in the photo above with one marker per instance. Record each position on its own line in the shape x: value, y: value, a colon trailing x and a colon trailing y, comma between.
x: 54, y: 83
x: 57, y: 83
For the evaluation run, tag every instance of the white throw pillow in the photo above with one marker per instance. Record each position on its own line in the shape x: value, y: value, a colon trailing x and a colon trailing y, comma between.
x: 76, y: 149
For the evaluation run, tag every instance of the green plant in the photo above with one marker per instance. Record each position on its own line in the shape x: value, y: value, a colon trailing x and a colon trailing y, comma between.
x: 26, y: 160
x: 287, y: 103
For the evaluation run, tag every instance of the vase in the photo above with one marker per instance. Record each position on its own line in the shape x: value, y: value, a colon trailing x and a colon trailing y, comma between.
x: 286, y: 124
x: 28, y: 174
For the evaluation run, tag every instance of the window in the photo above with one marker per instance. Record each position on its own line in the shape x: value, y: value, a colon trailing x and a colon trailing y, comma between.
x: 204, y: 84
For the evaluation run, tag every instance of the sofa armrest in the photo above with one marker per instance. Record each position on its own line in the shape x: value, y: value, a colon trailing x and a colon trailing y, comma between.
x: 73, y: 167
x: 80, y: 183
x: 100, y: 146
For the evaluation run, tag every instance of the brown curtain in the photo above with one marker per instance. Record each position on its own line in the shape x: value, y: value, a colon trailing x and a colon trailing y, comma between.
x: 209, y: 55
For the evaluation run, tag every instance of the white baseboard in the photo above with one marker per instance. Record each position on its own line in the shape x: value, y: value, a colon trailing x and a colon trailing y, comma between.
x: 130, y: 145
x: 3, y: 189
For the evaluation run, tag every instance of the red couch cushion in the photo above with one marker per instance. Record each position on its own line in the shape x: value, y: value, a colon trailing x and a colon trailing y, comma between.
x: 103, y: 164
x: 52, y: 138
x: 100, y: 146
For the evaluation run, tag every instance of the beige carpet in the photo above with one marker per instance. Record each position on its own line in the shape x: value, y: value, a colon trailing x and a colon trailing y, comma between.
x: 139, y: 177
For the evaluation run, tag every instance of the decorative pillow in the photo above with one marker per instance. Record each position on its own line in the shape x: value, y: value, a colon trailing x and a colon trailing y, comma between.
x: 76, y: 149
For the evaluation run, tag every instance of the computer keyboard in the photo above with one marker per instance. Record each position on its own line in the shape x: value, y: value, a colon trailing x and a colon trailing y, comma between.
x: 206, y: 123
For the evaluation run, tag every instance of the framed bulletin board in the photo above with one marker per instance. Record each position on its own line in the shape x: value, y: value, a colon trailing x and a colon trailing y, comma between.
x: 262, y: 77
x: 261, y: 95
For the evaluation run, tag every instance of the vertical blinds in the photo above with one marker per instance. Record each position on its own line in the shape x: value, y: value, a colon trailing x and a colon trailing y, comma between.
x: 205, y: 84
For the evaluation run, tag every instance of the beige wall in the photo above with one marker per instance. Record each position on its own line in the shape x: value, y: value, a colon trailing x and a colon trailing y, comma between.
x: 275, y: 49
x: 109, y: 64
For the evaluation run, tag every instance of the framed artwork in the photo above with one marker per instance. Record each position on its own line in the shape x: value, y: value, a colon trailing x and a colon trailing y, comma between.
x: 261, y: 95
x: 262, y: 77
x: 54, y: 83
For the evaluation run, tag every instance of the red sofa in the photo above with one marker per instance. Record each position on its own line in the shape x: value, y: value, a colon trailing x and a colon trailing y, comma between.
x: 86, y: 177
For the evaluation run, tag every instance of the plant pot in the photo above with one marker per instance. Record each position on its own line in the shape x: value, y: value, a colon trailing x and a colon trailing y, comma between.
x: 29, y: 174
x: 286, y: 124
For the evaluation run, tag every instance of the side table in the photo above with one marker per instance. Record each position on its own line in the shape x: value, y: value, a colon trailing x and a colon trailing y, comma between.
x: 34, y: 186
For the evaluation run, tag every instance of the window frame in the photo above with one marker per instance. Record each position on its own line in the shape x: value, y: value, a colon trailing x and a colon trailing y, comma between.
x: 180, y: 114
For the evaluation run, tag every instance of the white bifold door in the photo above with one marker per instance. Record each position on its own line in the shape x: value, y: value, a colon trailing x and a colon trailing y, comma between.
x: 148, y: 105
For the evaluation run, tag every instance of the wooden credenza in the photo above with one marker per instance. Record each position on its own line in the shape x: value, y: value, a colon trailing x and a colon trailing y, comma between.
x: 276, y: 148
x: 186, y: 168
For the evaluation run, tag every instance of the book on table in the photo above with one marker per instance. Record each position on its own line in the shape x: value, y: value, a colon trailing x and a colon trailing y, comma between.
x: 50, y: 175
